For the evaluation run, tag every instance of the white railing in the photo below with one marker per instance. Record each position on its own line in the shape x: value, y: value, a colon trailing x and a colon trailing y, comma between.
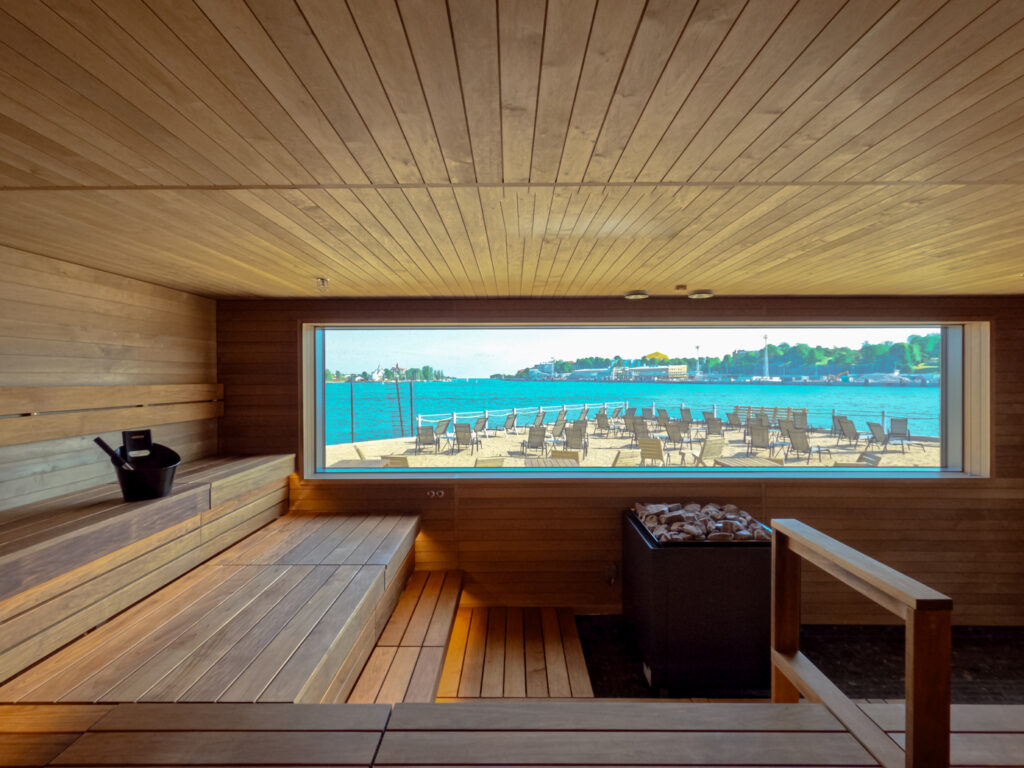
x: 921, y: 424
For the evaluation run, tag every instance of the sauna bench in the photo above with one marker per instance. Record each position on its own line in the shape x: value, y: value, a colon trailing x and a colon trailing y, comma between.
x: 70, y: 563
x: 289, y: 614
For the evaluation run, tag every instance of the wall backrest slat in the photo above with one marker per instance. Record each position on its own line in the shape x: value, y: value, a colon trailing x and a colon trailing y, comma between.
x: 73, y: 339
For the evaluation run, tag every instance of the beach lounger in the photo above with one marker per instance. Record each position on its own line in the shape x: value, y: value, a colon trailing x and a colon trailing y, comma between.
x: 734, y: 420
x: 760, y: 440
x: 710, y: 450
x: 464, y: 438
x: 425, y: 437
x: 393, y: 462
x: 866, y: 459
x: 602, y: 424
x: 536, y: 440
x: 899, y: 433
x: 480, y: 427
x: 849, y: 433
x: 799, y: 418
x: 800, y: 443
x: 539, y: 418
x: 510, y: 424
x: 576, y: 438
x: 714, y: 427
x: 652, y: 450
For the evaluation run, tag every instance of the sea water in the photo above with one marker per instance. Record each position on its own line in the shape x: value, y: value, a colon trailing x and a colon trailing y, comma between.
x: 379, y: 410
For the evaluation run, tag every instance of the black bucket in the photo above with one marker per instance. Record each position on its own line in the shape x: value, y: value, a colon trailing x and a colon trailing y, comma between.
x: 153, y: 475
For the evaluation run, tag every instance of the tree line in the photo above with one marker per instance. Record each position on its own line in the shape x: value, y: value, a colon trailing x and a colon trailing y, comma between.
x: 422, y: 373
x: 918, y: 354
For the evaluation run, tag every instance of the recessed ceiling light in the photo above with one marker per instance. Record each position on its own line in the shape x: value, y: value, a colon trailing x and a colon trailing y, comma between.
x: 635, y: 295
x: 701, y: 293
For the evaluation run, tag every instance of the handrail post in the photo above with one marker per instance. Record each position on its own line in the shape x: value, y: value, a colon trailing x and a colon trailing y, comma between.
x: 785, y: 623
x: 928, y: 661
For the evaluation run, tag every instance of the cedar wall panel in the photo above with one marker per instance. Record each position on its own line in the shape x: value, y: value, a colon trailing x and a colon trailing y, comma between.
x: 67, y: 325
x: 557, y: 542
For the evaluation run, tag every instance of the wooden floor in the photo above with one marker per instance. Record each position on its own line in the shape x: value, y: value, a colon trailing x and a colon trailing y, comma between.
x: 406, y: 663
x: 476, y: 734
x: 514, y: 653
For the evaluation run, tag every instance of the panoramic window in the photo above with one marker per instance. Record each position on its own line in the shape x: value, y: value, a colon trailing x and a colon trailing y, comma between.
x: 444, y: 399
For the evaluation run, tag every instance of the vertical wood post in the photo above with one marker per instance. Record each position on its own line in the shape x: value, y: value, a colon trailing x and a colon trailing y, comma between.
x: 785, y: 631
x: 928, y: 660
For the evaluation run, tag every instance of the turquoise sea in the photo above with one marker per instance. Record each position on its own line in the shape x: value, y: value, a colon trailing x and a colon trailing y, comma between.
x: 374, y: 411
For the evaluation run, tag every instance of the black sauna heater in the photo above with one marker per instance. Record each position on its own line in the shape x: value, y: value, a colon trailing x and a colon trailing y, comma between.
x: 699, y: 609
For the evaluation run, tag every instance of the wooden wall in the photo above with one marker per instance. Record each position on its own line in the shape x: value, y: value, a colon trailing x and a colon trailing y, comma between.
x: 63, y: 325
x: 557, y: 542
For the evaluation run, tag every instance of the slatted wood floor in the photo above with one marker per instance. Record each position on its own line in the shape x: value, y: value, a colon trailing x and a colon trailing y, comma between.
x: 514, y: 653
x: 288, y: 615
x: 476, y: 734
x: 406, y: 663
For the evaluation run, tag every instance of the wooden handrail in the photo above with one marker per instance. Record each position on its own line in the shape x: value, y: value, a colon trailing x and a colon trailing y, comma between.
x: 926, y: 614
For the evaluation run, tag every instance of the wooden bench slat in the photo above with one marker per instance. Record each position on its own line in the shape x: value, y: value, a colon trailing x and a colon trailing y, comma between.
x: 373, y: 674
x: 554, y: 656
x: 575, y: 663
x: 621, y: 748
x: 243, y: 717
x: 400, y: 617
x: 257, y: 676
x: 440, y: 626
x: 396, y: 681
x: 340, y: 553
x: 49, y: 718
x: 321, y: 540
x: 426, y: 676
x: 221, y: 674
x: 964, y: 718
x: 32, y: 749
x: 455, y: 654
x: 612, y: 716
x: 424, y: 611
x: 473, y: 661
x: 515, y: 654
x: 190, y: 670
x: 397, y: 543
x: 492, y: 682
x: 53, y: 677
x: 213, y: 748
x: 536, y: 672
x: 362, y: 553
x: 159, y: 663
x: 309, y: 668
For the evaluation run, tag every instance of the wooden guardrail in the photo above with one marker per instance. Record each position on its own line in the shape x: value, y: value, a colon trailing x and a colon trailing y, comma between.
x: 926, y: 615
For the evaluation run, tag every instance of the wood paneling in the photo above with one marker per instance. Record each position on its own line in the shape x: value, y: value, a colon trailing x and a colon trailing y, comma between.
x: 518, y: 148
x: 74, y: 342
x: 556, y: 542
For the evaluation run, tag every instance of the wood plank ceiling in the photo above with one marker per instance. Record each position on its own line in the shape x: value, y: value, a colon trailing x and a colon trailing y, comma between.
x: 486, y: 148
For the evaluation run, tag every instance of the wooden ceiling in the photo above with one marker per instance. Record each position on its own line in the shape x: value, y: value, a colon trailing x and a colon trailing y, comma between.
x: 518, y: 147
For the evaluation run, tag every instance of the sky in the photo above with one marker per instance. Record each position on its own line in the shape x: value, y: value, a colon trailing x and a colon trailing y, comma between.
x: 479, y: 352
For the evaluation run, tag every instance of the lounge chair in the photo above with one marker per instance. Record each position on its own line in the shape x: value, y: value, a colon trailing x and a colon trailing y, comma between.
x: 663, y: 419
x: 396, y: 462
x: 799, y: 419
x: 631, y: 411
x: 734, y: 420
x: 710, y: 450
x: 465, y: 437
x: 359, y: 452
x: 800, y: 443
x: 583, y: 414
x: 576, y: 439
x: 617, y: 412
x: 539, y: 418
x: 441, y: 429
x: 708, y: 415
x: 647, y: 413
x: 848, y: 432
x: 638, y: 431
x: 760, y: 440
x: 425, y: 436
x: 560, y: 418
x: 714, y: 427
x: 560, y: 454
x: 626, y: 459
x: 602, y: 424
x: 510, y: 425
x: 493, y: 461
x: 676, y: 436
x: 685, y: 414
x: 837, y: 425
x: 557, y: 430
x: 899, y: 432
x: 878, y: 437
x: 537, y: 439
x: 480, y: 427
x: 651, y: 449
x: 581, y: 424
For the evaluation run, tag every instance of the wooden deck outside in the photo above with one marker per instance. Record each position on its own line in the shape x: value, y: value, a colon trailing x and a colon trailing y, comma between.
x: 514, y: 653
x: 480, y: 733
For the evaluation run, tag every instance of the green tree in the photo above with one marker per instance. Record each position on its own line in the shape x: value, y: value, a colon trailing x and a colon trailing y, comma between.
x: 328, y: 375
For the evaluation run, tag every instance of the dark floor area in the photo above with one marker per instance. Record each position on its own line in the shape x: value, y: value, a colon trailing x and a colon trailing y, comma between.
x: 866, y: 662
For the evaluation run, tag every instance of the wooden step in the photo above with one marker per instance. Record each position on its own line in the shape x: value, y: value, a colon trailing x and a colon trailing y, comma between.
x: 406, y: 663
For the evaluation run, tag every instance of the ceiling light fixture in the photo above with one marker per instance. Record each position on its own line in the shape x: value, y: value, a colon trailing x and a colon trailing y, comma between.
x: 701, y: 293
x: 635, y: 295
x: 321, y: 284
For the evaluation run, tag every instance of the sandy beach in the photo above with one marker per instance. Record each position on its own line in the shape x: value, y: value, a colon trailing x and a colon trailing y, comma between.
x: 603, y: 449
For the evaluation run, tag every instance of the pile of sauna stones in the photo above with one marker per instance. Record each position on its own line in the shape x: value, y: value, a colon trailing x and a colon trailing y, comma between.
x: 696, y: 522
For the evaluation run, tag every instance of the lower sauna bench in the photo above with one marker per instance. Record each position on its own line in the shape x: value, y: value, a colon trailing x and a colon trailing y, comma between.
x: 289, y: 614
